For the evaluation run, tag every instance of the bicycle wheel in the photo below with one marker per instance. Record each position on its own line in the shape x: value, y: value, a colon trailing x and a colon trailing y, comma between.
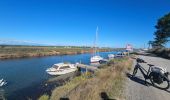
x: 164, y: 85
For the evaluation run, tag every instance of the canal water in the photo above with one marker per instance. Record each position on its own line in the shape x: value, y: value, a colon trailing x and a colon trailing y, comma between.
x: 24, y: 73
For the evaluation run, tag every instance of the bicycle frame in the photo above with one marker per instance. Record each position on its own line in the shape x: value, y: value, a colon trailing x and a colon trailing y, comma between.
x: 148, y: 74
x: 143, y: 71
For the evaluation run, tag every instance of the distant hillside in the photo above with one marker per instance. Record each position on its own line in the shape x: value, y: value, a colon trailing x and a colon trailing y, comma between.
x: 17, y: 42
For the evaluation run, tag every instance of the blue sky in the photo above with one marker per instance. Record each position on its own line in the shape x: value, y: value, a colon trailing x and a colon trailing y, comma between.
x: 74, y: 22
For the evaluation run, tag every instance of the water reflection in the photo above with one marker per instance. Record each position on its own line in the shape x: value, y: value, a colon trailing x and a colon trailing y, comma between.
x: 2, y: 94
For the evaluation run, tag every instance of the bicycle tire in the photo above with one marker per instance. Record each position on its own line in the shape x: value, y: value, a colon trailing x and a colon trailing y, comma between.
x: 154, y: 84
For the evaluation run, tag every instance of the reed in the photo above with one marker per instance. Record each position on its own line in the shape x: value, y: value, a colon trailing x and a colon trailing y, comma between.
x: 8, y: 52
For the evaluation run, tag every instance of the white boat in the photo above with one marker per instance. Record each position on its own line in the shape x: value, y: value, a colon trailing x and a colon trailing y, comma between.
x: 119, y: 54
x: 2, y: 82
x: 61, y: 68
x: 145, y: 49
x: 111, y: 56
x: 95, y: 58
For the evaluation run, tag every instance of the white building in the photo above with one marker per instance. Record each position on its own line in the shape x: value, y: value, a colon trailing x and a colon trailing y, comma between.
x: 129, y: 47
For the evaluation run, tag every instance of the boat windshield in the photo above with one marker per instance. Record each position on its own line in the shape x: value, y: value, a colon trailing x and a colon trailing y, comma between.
x: 64, y: 67
x: 55, y: 66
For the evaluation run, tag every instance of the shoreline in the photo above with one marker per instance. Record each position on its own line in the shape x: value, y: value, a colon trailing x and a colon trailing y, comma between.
x: 33, y: 92
x: 13, y: 56
x: 29, y: 52
x: 83, y: 84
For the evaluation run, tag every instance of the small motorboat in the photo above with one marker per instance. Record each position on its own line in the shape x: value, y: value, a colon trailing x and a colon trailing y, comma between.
x: 2, y: 82
x: 111, y: 56
x: 61, y: 68
x: 95, y: 59
x: 119, y: 54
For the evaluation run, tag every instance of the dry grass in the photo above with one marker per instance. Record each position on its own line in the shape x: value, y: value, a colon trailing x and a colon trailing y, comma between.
x: 63, y: 90
x: 109, y: 80
x: 44, y: 97
x: 33, y: 51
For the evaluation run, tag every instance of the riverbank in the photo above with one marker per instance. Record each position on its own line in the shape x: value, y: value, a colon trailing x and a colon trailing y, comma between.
x: 106, y: 83
x: 10, y: 52
x: 34, y: 91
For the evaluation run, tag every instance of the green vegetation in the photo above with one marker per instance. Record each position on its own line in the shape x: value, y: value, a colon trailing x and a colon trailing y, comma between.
x: 44, y: 97
x: 162, y: 33
x: 161, y: 52
x: 37, y: 51
x: 109, y: 79
x: 162, y: 36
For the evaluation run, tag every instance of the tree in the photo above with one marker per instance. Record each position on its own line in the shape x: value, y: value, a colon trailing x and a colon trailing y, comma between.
x: 162, y: 33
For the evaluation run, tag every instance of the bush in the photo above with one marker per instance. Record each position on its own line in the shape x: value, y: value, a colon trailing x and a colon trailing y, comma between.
x: 162, y: 52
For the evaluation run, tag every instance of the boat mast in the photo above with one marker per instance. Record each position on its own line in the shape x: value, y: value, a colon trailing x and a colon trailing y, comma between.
x: 95, y: 45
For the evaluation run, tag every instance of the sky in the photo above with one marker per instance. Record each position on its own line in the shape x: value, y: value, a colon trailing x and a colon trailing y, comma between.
x: 74, y: 22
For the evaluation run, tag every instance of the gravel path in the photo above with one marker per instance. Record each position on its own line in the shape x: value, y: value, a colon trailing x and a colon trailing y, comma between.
x: 137, y: 90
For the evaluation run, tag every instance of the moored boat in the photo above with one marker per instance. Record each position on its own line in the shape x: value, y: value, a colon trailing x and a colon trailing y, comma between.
x: 111, y: 56
x: 119, y: 54
x: 95, y: 58
x: 61, y: 68
x: 2, y: 82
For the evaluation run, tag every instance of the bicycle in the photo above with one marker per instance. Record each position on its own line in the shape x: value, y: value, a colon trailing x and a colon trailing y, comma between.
x: 157, y: 75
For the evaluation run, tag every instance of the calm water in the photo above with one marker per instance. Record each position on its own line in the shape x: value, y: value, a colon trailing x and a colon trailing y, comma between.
x: 23, y: 73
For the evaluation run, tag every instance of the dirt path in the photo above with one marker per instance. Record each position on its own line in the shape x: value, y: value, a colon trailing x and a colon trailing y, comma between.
x: 137, y: 90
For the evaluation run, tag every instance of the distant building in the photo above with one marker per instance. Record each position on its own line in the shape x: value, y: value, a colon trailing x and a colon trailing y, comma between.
x: 129, y: 47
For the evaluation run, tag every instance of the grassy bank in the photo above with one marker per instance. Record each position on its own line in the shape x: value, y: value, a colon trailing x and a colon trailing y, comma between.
x: 161, y: 52
x: 108, y: 82
x: 7, y: 52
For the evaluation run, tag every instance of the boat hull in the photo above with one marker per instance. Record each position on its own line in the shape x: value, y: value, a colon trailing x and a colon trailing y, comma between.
x: 95, y: 59
x: 111, y: 56
x: 62, y: 71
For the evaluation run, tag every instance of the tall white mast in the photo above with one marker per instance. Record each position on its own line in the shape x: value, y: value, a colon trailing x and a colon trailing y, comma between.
x: 95, y: 45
